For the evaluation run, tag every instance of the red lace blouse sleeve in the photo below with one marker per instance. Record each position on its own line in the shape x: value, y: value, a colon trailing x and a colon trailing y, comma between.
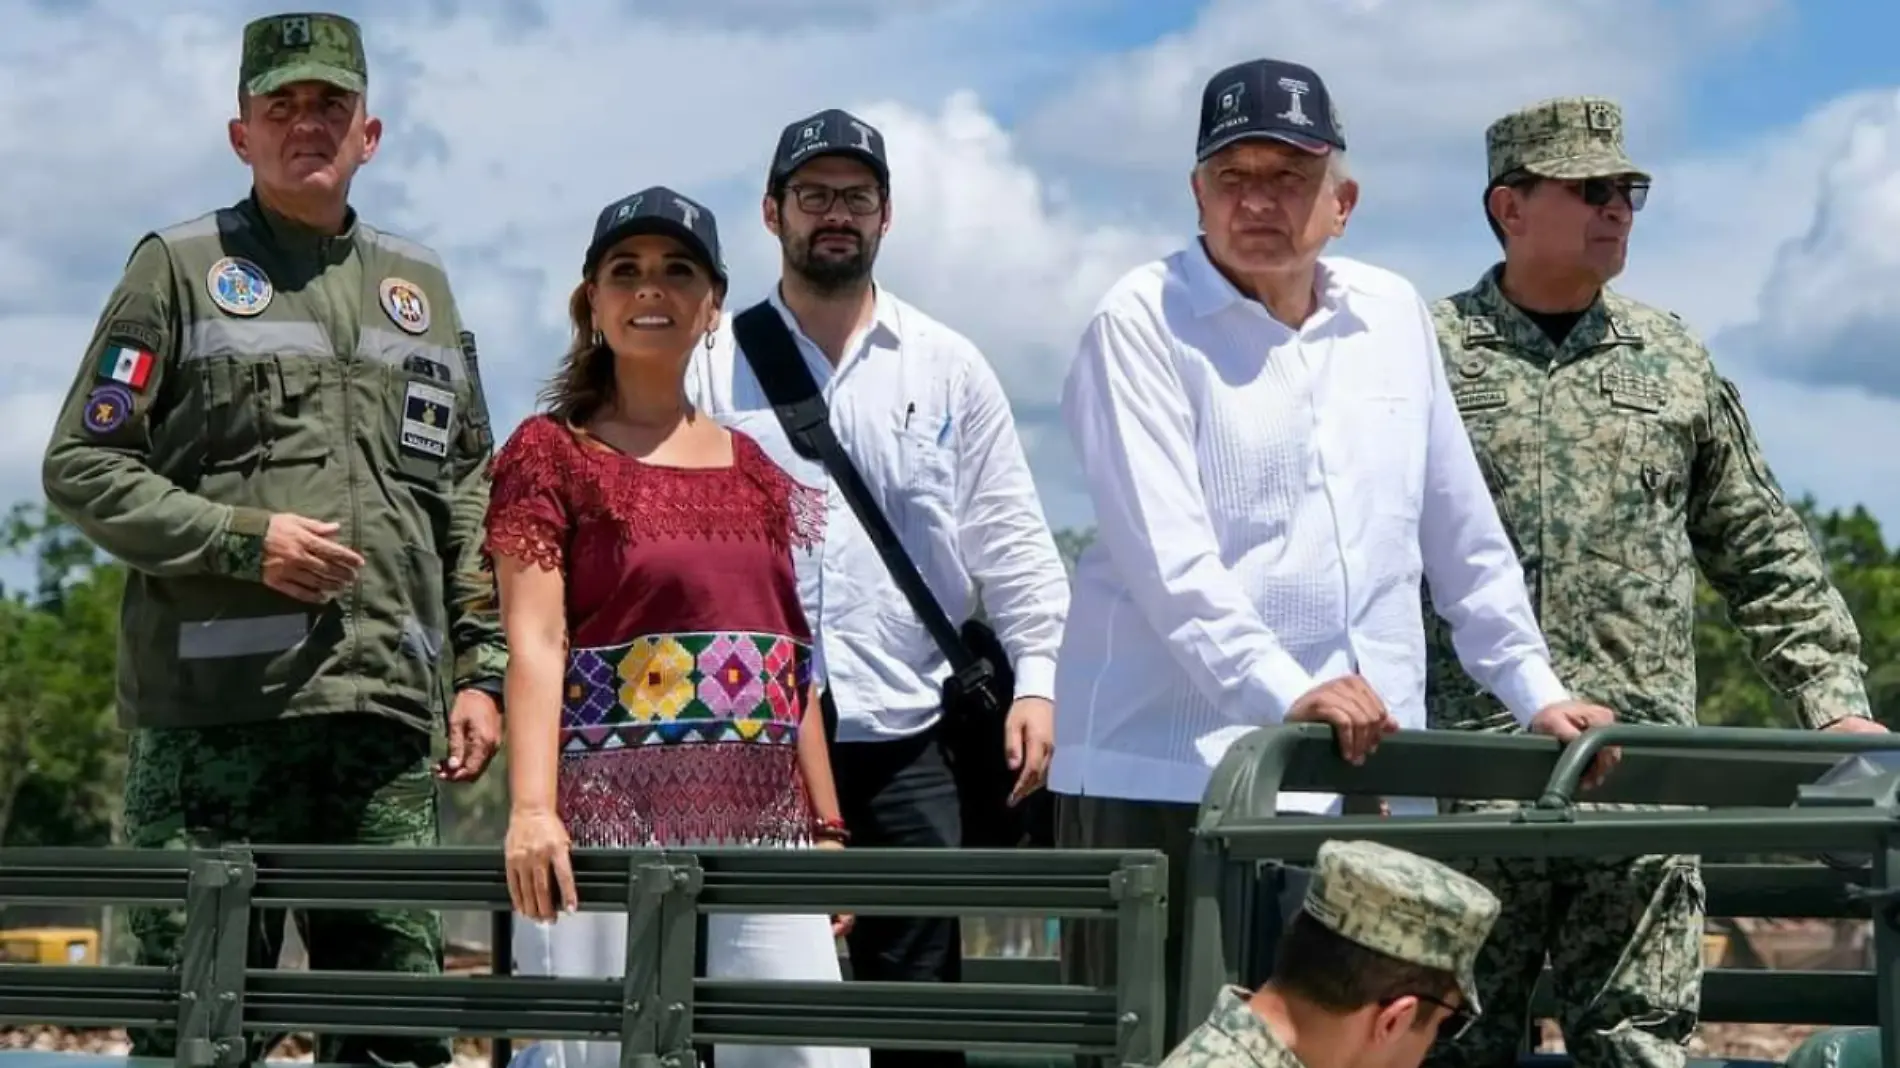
x: 528, y: 515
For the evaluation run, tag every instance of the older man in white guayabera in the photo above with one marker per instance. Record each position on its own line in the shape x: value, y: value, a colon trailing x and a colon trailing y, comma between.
x: 1274, y: 461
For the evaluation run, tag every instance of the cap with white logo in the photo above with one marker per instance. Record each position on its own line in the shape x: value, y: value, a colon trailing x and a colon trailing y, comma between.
x: 657, y: 210
x: 1272, y: 99
x: 829, y: 133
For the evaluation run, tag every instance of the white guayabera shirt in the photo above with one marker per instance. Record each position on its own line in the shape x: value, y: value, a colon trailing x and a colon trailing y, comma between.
x: 1267, y: 500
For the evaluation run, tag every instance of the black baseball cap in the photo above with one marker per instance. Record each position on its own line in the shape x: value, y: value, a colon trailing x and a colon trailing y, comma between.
x: 829, y: 133
x: 1268, y: 98
x: 658, y: 210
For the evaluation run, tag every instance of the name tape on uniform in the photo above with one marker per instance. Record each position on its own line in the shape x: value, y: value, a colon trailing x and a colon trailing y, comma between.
x: 427, y: 413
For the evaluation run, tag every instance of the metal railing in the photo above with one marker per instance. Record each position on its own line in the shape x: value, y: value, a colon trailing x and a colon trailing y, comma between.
x: 659, y: 1011
x: 1731, y: 792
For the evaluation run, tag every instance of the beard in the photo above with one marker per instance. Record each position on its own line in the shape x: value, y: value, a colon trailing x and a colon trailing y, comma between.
x: 833, y: 273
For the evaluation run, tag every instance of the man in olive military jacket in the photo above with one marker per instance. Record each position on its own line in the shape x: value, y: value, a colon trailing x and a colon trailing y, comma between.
x: 278, y: 425
x: 1622, y: 463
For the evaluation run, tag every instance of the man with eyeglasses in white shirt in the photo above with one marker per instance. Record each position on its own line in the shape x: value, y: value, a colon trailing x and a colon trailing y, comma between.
x: 924, y: 419
x: 1274, y: 462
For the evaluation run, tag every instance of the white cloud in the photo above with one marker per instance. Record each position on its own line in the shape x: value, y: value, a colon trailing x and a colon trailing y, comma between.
x: 1415, y: 83
x: 1815, y: 360
x: 511, y: 125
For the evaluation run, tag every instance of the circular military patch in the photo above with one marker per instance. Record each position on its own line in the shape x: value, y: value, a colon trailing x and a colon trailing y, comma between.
x: 405, y: 305
x: 107, y: 408
x: 238, y: 286
x: 1472, y: 368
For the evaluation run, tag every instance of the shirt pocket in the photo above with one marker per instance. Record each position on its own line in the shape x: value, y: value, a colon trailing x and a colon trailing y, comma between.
x: 1640, y: 517
x: 923, y: 498
x: 1388, y: 442
x: 260, y: 413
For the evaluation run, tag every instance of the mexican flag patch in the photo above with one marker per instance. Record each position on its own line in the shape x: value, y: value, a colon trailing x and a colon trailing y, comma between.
x: 123, y: 363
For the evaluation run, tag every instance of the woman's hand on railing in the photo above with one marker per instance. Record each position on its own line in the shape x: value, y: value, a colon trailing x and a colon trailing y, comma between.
x: 841, y: 923
x: 537, y: 844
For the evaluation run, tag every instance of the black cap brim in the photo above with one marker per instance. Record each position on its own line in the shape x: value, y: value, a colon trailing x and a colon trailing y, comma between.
x: 652, y: 224
x: 1305, y: 144
x: 878, y: 166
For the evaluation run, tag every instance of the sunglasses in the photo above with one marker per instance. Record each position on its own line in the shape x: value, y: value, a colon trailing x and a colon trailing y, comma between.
x: 1455, y: 1024
x: 1597, y: 192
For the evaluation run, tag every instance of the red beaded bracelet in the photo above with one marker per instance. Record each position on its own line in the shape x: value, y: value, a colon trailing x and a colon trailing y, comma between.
x: 832, y: 830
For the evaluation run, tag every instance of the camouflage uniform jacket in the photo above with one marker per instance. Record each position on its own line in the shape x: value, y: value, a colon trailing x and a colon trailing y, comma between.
x: 1620, y: 461
x: 1233, y: 1036
x: 245, y: 365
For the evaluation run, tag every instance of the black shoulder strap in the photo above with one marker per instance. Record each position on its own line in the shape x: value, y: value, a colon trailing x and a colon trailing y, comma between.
x: 788, y: 384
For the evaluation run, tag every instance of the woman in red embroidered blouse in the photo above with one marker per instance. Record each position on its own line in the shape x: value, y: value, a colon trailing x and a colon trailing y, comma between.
x: 659, y: 685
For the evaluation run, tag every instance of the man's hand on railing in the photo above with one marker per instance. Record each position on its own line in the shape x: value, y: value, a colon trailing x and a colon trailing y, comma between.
x: 537, y: 843
x: 1567, y: 720
x: 1358, y: 715
x: 1855, y: 725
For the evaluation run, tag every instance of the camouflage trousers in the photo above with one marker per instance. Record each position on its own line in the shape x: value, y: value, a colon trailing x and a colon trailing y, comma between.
x: 1624, y: 939
x: 322, y: 780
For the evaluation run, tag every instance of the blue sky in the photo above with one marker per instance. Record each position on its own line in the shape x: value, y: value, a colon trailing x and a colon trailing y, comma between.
x: 1040, y: 150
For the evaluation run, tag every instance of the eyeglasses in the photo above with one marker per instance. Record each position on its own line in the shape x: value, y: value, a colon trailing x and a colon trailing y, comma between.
x: 1454, y: 1025
x: 1597, y: 192
x: 818, y: 199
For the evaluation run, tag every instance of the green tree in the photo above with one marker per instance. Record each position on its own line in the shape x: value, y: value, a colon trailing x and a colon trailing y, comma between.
x: 1867, y: 573
x: 66, y: 755
x: 1071, y: 541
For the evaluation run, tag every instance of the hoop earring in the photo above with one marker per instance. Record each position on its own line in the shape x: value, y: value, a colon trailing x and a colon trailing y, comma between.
x: 599, y: 339
x: 710, y: 335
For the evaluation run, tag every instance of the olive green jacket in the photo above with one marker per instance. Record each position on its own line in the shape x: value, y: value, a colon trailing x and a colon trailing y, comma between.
x: 245, y: 365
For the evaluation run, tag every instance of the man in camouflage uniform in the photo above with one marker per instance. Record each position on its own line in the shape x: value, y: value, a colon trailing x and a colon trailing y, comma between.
x: 1621, y: 462
x: 278, y: 425
x: 1377, y: 961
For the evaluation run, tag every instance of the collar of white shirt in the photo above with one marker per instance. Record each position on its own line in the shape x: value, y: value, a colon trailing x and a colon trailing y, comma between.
x: 1211, y: 292
x: 883, y: 331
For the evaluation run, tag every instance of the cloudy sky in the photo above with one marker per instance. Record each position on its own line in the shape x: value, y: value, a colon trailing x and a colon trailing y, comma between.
x: 1040, y: 149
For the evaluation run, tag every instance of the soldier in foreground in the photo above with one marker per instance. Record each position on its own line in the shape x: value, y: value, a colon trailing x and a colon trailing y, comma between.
x: 1374, y: 965
x: 1621, y: 461
x: 278, y: 426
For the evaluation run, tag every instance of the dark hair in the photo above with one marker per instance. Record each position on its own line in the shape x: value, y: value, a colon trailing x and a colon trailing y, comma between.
x: 585, y: 379
x: 1340, y: 975
x: 1520, y: 180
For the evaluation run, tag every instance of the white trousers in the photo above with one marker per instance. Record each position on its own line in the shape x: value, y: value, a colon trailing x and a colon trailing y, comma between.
x: 593, y: 945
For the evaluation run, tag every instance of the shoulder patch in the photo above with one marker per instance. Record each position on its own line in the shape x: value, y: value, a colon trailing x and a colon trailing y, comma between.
x: 107, y: 408
x: 1480, y: 328
x: 238, y: 286
x: 405, y: 304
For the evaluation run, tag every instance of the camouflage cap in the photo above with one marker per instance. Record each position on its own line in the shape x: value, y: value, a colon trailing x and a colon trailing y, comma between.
x: 311, y: 46
x: 1403, y: 905
x: 1565, y: 137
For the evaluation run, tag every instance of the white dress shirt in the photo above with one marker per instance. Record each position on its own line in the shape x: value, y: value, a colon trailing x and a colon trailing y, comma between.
x: 1267, y: 499
x: 924, y: 418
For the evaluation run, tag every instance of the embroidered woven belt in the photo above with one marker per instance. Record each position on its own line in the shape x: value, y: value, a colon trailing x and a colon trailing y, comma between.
x: 671, y: 688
